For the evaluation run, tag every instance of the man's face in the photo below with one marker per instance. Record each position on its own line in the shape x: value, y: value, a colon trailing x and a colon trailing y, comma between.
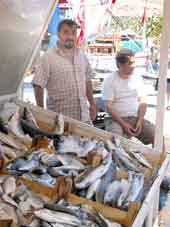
x: 67, y: 36
x: 128, y: 67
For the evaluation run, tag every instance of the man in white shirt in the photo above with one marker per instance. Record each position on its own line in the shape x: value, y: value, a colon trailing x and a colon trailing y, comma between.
x: 125, y: 101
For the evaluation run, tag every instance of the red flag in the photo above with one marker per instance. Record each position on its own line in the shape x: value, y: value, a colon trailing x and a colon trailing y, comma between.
x: 81, y: 21
x: 142, y: 20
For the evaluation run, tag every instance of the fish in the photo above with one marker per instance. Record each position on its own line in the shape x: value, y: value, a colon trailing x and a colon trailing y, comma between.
x: 68, y: 168
x: 92, y: 189
x: 125, y: 185
x: 50, y: 160
x: 101, y: 149
x: 55, y: 172
x: 20, y: 190
x: 29, y: 166
x: 32, y: 130
x: 137, y: 183
x: 105, y: 181
x: 128, y: 163
x: 25, y: 206
x: 113, y: 192
x: 57, y: 217
x: 45, y: 224
x: 35, y: 223
x: 35, y: 201
x: 9, y: 152
x: 9, y: 200
x: 68, y: 160
x: 10, y: 211
x: 140, y: 158
x: 10, y: 141
x: 14, y: 127
x: 95, y: 174
x: 9, y: 185
x: 43, y: 179
x: 3, y: 127
x: 69, y: 144
x: 16, y: 164
x: 60, y: 208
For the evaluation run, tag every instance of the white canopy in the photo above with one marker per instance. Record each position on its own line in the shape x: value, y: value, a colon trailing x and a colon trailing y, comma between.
x: 136, y: 7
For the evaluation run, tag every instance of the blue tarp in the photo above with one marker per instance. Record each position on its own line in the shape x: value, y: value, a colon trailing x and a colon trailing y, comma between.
x: 52, y: 28
x: 134, y: 45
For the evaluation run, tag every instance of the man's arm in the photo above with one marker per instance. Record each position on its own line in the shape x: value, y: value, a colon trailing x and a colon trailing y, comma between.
x: 142, y: 109
x: 89, y: 93
x: 39, y: 95
x: 140, y: 115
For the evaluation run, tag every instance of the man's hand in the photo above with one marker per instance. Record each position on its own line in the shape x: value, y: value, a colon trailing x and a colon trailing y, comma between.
x: 93, y: 112
x: 138, y: 128
x: 128, y: 129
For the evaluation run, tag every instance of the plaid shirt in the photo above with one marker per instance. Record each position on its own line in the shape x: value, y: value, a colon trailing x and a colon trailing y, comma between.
x: 65, y: 82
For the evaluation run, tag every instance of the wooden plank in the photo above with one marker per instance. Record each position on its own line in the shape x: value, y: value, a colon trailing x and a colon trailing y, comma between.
x: 5, y: 223
x: 145, y: 208
x: 113, y: 214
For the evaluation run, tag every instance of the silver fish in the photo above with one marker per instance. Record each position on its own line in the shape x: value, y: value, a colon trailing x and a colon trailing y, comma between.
x: 9, y: 200
x: 124, y: 158
x: 10, y: 141
x: 68, y: 168
x: 57, y: 217
x: 9, y: 185
x: 70, y: 145
x: 125, y: 185
x: 15, y: 127
x: 113, y: 192
x: 136, y: 187
x: 96, y: 173
x: 92, y: 189
x: 21, y: 189
x: 29, y: 166
x: 10, y: 211
x: 69, y: 160
x: 140, y: 158
x: 35, y: 223
x: 101, y: 149
x: 25, y: 206
x: 50, y: 160
x: 9, y: 152
x: 105, y: 181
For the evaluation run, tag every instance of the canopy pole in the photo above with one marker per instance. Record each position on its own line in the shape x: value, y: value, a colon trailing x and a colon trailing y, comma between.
x: 164, y: 52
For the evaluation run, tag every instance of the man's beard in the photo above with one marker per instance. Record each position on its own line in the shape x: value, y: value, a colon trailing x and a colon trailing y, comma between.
x: 69, y: 44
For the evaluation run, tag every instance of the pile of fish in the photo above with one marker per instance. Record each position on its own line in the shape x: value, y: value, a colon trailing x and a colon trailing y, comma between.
x: 64, y: 214
x: 23, y: 126
x: 27, y: 209
x: 36, y: 167
x: 17, y: 202
x: 99, y: 181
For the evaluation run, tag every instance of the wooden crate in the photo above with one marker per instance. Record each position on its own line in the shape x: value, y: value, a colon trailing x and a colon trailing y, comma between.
x: 125, y: 218
x: 47, y: 119
x: 5, y: 223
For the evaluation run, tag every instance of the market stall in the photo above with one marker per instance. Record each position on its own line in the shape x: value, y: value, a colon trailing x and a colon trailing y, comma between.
x: 37, y: 147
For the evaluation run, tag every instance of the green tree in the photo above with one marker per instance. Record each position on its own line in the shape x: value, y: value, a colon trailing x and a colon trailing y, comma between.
x: 154, y: 26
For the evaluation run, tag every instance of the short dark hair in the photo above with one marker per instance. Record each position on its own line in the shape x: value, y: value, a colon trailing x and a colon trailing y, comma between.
x: 69, y: 22
x: 122, y: 56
